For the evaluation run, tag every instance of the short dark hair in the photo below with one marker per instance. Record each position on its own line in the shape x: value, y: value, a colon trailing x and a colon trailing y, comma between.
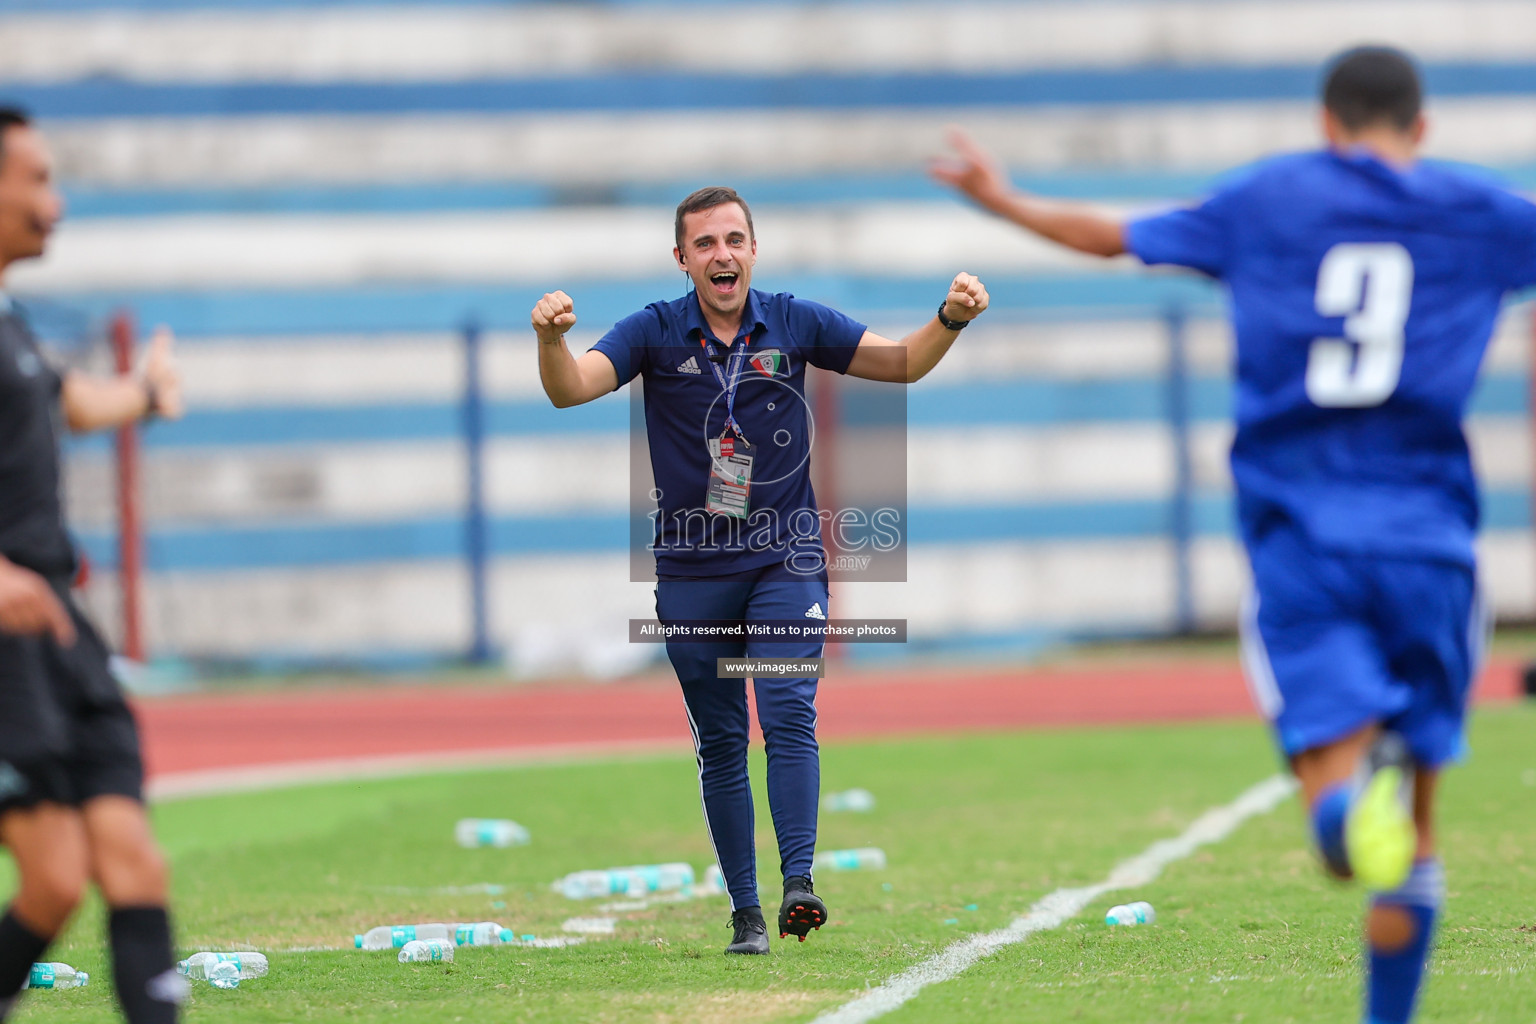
x: 708, y: 199
x: 1371, y: 85
x: 11, y: 117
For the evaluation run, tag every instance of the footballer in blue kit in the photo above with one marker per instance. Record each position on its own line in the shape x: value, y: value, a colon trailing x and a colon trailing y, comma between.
x: 1364, y: 283
x: 737, y: 529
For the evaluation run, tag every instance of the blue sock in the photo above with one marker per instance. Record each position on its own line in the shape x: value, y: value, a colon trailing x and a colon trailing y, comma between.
x: 1328, y: 815
x: 1393, y: 984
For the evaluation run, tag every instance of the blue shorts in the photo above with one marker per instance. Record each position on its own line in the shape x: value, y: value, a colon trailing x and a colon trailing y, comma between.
x: 1335, y: 642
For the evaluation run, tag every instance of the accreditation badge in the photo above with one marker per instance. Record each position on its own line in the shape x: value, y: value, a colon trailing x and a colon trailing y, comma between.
x: 730, y: 477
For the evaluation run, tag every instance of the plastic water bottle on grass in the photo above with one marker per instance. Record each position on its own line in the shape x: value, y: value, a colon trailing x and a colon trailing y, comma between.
x: 630, y: 881
x: 857, y: 800
x: 665, y: 877
x: 387, y: 936
x: 1126, y: 914
x: 866, y: 858
x: 200, y: 966
x: 472, y: 832
x: 437, y: 951
x: 56, y: 975
x: 586, y: 885
x: 482, y: 933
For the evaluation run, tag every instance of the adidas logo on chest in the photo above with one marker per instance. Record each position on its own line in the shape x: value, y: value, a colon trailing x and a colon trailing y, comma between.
x: 690, y: 365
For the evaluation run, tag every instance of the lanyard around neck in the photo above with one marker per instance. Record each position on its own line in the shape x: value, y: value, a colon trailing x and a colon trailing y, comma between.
x: 729, y: 378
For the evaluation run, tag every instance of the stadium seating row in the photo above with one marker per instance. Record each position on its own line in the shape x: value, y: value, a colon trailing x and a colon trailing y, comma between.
x: 327, y: 41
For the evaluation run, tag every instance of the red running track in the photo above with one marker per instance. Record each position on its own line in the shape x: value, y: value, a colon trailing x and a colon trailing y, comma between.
x: 213, y: 732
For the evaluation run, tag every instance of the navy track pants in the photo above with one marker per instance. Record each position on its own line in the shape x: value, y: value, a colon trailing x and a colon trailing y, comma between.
x: 717, y: 716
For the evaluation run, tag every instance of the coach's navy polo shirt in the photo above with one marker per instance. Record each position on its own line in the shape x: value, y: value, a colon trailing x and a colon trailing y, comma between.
x: 668, y: 344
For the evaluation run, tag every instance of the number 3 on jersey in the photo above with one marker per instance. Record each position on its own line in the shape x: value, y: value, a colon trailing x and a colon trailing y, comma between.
x: 1370, y: 286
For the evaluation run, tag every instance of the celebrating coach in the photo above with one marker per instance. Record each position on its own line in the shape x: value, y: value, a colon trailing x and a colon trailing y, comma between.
x: 737, y: 531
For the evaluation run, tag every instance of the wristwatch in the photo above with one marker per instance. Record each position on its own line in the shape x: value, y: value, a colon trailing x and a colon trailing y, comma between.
x: 950, y: 325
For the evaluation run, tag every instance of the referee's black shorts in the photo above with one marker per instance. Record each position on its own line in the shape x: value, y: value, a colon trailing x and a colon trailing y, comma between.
x: 66, y: 733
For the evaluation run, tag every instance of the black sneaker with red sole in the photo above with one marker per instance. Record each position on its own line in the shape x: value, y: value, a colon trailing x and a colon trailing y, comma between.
x: 802, y: 910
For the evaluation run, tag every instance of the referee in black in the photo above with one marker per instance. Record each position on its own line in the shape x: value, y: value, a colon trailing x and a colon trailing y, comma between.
x: 71, y: 779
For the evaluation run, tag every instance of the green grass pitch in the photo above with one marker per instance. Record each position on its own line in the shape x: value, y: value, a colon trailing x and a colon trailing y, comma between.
x: 1248, y: 930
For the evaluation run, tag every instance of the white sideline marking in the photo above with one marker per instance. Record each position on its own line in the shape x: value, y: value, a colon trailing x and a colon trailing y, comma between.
x: 1058, y: 907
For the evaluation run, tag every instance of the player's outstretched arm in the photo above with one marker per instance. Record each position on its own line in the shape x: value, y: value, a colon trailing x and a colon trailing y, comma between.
x: 973, y: 172
x: 567, y: 380
x: 98, y: 403
x: 910, y: 359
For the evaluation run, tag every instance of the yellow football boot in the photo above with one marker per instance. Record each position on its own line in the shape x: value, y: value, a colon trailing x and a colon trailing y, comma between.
x: 1378, y: 832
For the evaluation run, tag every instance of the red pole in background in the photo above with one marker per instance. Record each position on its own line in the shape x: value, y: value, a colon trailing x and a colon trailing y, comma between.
x: 130, y: 540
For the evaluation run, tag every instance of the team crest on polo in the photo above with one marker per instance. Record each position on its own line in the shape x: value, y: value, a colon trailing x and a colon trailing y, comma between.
x: 769, y: 362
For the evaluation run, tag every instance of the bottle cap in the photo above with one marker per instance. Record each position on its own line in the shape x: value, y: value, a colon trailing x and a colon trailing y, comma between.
x: 85, y: 979
x: 507, y: 935
x: 357, y: 940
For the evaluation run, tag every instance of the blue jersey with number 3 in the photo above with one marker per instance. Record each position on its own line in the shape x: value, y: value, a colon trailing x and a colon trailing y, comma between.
x: 1363, y: 297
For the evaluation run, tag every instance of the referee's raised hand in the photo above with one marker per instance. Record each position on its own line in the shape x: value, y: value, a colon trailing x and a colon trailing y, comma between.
x: 29, y: 607
x: 161, y: 373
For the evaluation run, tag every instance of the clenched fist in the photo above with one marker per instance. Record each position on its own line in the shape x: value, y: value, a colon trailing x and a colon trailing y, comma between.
x: 967, y: 298
x: 552, y: 316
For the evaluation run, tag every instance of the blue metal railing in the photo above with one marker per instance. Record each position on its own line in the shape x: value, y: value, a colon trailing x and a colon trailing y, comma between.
x: 476, y: 532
